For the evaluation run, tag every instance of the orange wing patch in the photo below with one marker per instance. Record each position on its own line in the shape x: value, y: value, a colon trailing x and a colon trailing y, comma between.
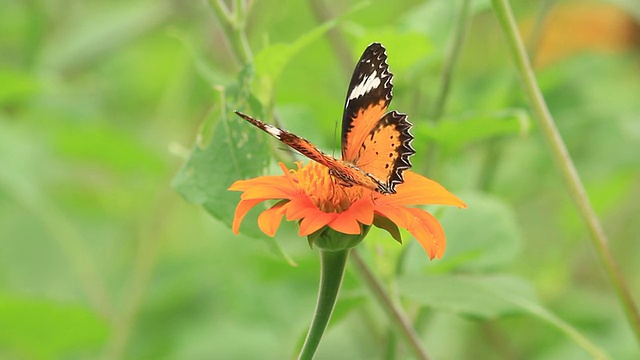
x: 361, y: 126
x: 385, y: 151
x: 377, y: 143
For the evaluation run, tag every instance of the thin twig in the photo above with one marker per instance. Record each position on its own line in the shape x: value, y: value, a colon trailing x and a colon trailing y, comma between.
x: 493, y: 151
x: 535, y: 39
x: 323, y: 14
x: 565, y: 164
x: 451, y: 59
x: 144, y: 263
x: 431, y: 160
x: 395, y: 313
x: 221, y: 10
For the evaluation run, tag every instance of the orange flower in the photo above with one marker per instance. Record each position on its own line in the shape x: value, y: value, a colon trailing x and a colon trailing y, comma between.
x: 314, y: 197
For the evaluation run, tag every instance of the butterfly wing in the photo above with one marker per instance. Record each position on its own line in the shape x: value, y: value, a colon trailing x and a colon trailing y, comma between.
x: 375, y: 146
x: 303, y: 146
x: 347, y: 173
x: 384, y: 153
x: 367, y: 100
x: 377, y: 143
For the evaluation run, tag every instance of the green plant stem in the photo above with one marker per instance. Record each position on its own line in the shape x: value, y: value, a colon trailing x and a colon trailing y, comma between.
x: 454, y: 48
x: 233, y: 25
x: 150, y: 239
x: 564, y: 162
x: 451, y: 59
x: 494, y: 148
x: 395, y: 313
x: 332, y: 266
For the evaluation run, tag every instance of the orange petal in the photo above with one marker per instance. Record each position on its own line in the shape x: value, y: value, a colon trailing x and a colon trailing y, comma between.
x: 417, y: 190
x: 241, y: 210
x: 422, y: 225
x: 242, y: 185
x: 313, y: 222
x: 397, y: 214
x: 300, y: 207
x: 267, y: 192
x: 346, y: 223
x: 362, y: 210
x: 429, y: 233
x: 269, y: 220
x: 288, y: 174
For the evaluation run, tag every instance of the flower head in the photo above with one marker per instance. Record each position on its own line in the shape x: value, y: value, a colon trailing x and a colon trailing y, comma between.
x: 315, y: 198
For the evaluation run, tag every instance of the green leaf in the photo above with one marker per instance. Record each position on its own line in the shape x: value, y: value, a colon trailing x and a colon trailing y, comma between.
x: 484, y: 298
x: 479, y: 297
x: 39, y: 329
x: 232, y: 151
x: 227, y: 149
x: 203, y: 65
x: 451, y: 133
x: 485, y: 236
x: 389, y: 226
x: 271, y: 61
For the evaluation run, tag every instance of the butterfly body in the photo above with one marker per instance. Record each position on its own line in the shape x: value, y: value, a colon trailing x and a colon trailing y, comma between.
x: 376, y: 145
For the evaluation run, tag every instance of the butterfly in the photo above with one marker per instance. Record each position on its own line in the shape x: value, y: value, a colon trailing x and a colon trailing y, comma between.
x: 376, y: 145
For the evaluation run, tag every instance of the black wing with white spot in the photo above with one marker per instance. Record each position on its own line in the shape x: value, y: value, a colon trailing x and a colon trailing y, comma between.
x: 371, y: 85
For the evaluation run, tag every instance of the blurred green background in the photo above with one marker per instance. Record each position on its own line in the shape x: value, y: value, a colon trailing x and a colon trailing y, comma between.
x: 100, y: 104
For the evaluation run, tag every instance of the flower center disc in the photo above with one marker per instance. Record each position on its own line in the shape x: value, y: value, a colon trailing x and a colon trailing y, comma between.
x: 324, y: 190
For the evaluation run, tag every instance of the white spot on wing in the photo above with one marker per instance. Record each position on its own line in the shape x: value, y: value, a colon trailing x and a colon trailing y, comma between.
x: 368, y: 83
x: 273, y: 131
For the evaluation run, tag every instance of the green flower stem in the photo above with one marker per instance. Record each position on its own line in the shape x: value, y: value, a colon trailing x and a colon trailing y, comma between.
x: 233, y: 24
x: 564, y: 162
x: 332, y: 266
x: 395, y: 313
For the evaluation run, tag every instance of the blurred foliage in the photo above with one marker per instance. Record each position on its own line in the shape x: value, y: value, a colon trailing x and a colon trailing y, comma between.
x: 103, y: 103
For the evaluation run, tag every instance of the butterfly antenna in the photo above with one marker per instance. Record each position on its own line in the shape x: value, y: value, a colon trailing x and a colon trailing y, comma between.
x: 335, y: 136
